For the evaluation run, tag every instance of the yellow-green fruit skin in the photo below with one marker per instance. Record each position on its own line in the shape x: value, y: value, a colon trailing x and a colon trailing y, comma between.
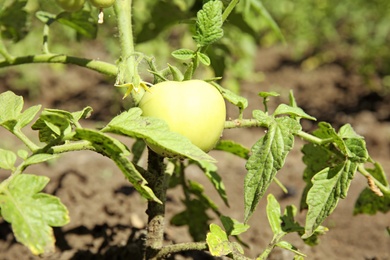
x: 193, y: 108
x: 102, y: 3
x: 71, y: 5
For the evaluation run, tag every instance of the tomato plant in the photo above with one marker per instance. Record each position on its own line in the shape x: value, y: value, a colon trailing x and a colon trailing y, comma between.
x: 71, y: 5
x: 194, y: 109
x: 178, y: 114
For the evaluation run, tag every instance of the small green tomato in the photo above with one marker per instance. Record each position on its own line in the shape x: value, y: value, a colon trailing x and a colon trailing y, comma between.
x: 102, y: 3
x: 193, y: 108
x: 71, y: 5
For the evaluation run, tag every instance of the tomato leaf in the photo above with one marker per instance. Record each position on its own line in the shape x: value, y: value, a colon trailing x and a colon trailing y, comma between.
x: 233, y: 98
x: 268, y: 156
x: 232, y: 226
x: 10, y: 107
x: 155, y: 132
x: 294, y: 111
x: 32, y: 213
x: 183, y: 54
x: 210, y: 170
x: 217, y: 241
x: 274, y: 215
x: 329, y: 185
x: 177, y: 75
x: 203, y: 58
x: 7, y: 159
x: 209, y: 23
x: 286, y: 245
x: 118, y: 152
x: 39, y: 158
x: 83, y: 21
x: 233, y: 148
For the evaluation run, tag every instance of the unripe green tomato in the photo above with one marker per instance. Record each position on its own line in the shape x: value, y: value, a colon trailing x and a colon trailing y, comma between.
x: 102, y: 3
x: 71, y: 5
x: 193, y: 108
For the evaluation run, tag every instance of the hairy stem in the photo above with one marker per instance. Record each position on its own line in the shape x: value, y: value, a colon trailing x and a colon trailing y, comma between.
x: 158, y: 182
x: 176, y: 248
x: 99, y: 66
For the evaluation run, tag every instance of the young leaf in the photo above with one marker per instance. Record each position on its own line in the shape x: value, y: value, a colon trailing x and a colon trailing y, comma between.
x: 52, y: 126
x: 209, y: 23
x: 27, y: 116
x: 233, y: 148
x: 232, y: 226
x: 329, y: 185
x: 290, y: 247
x: 370, y: 203
x: 118, y: 152
x: 233, y: 98
x: 183, y: 54
x: 268, y: 156
x: 217, y: 241
x: 39, y: 158
x: 210, y: 170
x: 203, y: 58
x: 293, y: 111
x: 176, y: 73
x: 274, y: 215
x: 155, y: 132
x: 10, y: 107
x: 7, y: 159
x: 32, y: 213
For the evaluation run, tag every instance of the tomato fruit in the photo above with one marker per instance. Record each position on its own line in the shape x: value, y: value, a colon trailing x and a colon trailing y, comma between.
x: 71, y: 5
x: 102, y: 3
x: 193, y: 108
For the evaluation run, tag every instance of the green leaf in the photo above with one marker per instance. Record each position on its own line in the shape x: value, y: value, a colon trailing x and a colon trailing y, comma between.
x: 217, y: 241
x: 27, y: 116
x: 233, y: 148
x: 10, y: 107
x: 32, y: 213
x: 82, y: 114
x: 39, y: 158
x: 52, y: 126
x: 203, y: 58
x: 7, y: 159
x: 284, y: 109
x: 265, y: 94
x: 233, y: 98
x: 82, y: 21
x: 286, y: 245
x: 329, y: 185
x: 370, y: 203
x: 118, y: 152
x: 233, y: 227
x: 197, y: 189
x: 13, y: 21
x: 137, y: 149
x: 209, y: 23
x: 274, y: 215
x: 155, y: 132
x: 210, y: 170
x: 183, y: 54
x: 288, y: 220
x: 268, y: 156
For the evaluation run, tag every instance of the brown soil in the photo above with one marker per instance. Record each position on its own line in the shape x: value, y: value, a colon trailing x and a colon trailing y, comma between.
x: 106, y: 213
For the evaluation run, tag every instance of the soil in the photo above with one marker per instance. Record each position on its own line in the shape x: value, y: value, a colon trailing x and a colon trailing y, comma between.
x: 107, y: 215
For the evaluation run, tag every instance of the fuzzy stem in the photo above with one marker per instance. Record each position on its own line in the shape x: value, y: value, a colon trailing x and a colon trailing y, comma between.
x: 99, y: 66
x: 158, y: 182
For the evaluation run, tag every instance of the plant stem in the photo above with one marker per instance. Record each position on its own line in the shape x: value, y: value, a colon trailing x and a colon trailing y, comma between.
x: 158, y: 182
x: 99, y: 66
x: 229, y: 9
x: 128, y: 67
x: 176, y: 248
x: 239, y: 123
x: 366, y: 174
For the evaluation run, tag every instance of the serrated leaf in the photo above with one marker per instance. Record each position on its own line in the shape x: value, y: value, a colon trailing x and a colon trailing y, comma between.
x: 203, y: 58
x: 7, y: 159
x: 268, y: 156
x: 118, y: 152
x: 10, y: 107
x: 82, y: 21
x: 52, y: 125
x: 209, y: 23
x: 274, y: 215
x: 13, y: 21
x: 39, y: 158
x: 329, y: 185
x: 233, y: 148
x: 232, y: 226
x: 217, y: 241
x: 284, y: 109
x: 233, y: 98
x: 210, y: 170
x: 183, y: 54
x: 31, y: 213
x: 155, y: 132
x: 27, y: 116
